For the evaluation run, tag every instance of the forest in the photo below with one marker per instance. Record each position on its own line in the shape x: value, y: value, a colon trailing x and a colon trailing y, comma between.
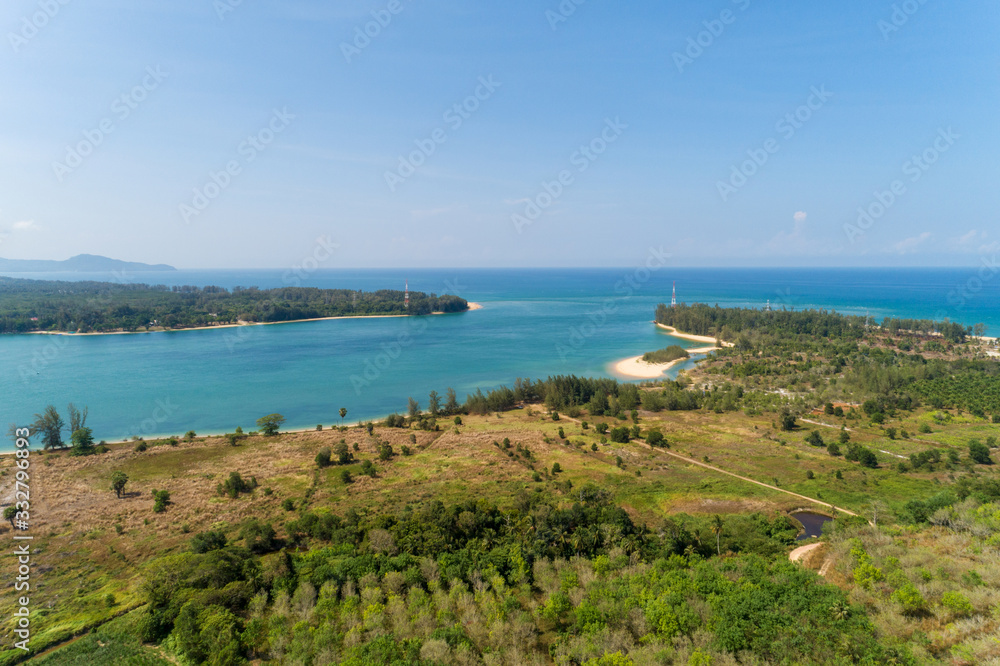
x: 729, y: 323
x: 83, y: 307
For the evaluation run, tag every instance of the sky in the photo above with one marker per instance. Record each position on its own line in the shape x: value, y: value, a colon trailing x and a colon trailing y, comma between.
x: 439, y: 133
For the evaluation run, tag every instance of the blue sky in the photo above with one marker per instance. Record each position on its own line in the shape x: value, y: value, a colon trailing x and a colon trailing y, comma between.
x: 672, y: 125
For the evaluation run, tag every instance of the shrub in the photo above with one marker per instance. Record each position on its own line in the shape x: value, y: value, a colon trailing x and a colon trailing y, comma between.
x: 910, y: 600
x: 161, y: 498
x: 407, y: 451
x: 288, y: 504
x: 140, y: 447
x: 562, y: 433
x: 979, y: 453
x: 323, y: 457
x: 814, y: 438
x: 602, y: 428
x: 458, y: 420
x: 654, y: 438
x: 621, y: 435
x: 957, y: 604
x: 345, y: 476
x: 556, y: 468
x: 319, y: 426
x: 235, y: 485
x: 368, y: 467
x: 925, y: 428
x: 189, y: 436
x: 833, y: 449
x: 555, y: 416
x: 208, y: 541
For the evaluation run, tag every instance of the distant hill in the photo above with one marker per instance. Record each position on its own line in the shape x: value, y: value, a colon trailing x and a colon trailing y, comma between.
x: 83, y: 263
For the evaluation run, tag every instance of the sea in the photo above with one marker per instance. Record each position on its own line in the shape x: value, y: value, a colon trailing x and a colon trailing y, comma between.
x: 534, y: 323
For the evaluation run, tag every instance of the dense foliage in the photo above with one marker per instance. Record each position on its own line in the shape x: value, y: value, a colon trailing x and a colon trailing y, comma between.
x: 665, y: 355
x: 42, y: 305
x: 729, y: 323
x: 473, y: 583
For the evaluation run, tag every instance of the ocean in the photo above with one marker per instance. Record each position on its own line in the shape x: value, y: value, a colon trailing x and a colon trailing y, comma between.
x: 534, y: 323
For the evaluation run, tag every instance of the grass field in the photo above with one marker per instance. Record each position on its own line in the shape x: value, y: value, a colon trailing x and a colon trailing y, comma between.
x: 89, y: 545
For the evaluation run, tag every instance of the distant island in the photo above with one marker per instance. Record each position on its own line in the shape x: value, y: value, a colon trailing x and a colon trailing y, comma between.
x: 81, y: 263
x: 44, y: 306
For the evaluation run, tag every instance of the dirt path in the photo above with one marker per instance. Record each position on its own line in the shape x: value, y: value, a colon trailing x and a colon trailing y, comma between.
x: 802, y: 551
x: 749, y: 480
x: 742, y: 478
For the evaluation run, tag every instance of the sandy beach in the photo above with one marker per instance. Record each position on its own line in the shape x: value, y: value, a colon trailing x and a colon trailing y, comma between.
x: 635, y: 368
x: 687, y: 336
x: 472, y: 306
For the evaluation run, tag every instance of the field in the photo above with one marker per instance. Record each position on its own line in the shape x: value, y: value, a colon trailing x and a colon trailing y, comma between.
x: 90, y: 547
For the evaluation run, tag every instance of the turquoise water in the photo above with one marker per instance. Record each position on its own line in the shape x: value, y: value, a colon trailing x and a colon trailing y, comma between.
x: 534, y: 323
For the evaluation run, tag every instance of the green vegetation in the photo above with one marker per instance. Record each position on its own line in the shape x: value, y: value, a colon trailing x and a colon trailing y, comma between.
x: 43, y: 305
x: 524, y: 537
x: 118, y: 481
x: 666, y: 355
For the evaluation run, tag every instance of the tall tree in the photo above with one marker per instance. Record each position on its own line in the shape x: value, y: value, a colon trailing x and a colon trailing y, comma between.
x: 77, y: 419
x: 49, y: 424
x: 451, y: 405
x: 413, y: 408
x: 343, y: 413
x: 434, y: 403
x: 717, y: 526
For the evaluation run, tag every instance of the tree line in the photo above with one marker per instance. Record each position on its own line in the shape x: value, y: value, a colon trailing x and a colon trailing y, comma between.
x: 43, y: 305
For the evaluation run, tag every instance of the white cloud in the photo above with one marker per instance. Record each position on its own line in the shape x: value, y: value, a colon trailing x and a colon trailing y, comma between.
x: 911, y: 244
x: 800, y: 216
x: 24, y: 225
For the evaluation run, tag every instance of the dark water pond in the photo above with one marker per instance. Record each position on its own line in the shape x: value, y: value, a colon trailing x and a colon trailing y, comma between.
x: 812, y: 522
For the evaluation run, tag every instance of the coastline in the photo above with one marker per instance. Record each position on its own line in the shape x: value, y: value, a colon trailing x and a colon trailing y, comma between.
x: 635, y: 368
x: 689, y: 336
x: 472, y: 306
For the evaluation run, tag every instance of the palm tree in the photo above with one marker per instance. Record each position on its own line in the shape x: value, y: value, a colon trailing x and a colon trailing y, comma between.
x: 717, y: 530
x: 343, y: 413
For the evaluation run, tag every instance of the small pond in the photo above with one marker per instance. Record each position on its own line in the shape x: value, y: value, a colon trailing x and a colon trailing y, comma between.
x: 812, y: 522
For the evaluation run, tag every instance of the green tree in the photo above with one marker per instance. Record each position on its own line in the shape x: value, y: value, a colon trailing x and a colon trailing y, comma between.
x: 205, y: 542
x: 979, y: 453
x: 344, y: 456
x: 787, y: 420
x: 717, y: 526
x: 814, y: 438
x: 8, y: 515
x: 844, y: 437
x: 654, y: 438
x: 161, y: 498
x: 77, y: 419
x: 556, y: 468
x: 413, y: 408
x: 83, y: 442
x: 434, y: 403
x: 50, y: 425
x: 451, y: 401
x: 118, y: 481
x: 323, y: 457
x: 269, y: 424
x: 343, y: 413
x: 368, y: 467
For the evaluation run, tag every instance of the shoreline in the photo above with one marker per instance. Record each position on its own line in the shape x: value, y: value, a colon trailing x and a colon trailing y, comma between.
x: 690, y: 336
x: 472, y: 307
x: 635, y: 368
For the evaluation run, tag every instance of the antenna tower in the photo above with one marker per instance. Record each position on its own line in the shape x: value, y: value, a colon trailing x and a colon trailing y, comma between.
x: 673, y: 297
